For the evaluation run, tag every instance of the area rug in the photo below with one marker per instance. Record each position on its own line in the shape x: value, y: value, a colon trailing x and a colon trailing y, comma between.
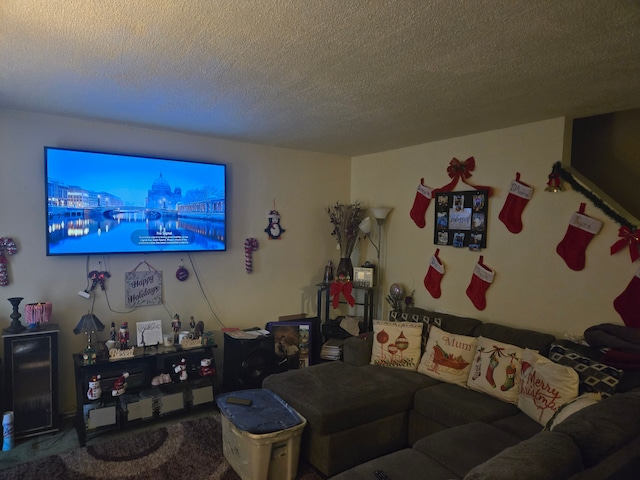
x: 189, y: 450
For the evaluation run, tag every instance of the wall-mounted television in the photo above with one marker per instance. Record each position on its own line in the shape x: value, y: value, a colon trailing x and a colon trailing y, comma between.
x: 105, y: 203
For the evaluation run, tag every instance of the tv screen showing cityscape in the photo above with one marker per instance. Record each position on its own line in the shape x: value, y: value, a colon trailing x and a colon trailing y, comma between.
x: 105, y: 203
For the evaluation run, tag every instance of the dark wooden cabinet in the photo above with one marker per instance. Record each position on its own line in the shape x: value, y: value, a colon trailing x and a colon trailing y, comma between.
x: 142, y: 402
x: 31, y: 380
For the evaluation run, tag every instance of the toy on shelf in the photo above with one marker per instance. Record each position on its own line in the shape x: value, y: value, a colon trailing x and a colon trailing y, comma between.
x: 95, y: 391
x: 120, y: 385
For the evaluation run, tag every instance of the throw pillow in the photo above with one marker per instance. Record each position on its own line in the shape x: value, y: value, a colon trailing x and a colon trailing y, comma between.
x: 569, y: 408
x: 448, y: 356
x: 545, y: 386
x: 426, y: 320
x: 396, y: 344
x: 594, y: 376
x: 496, y: 370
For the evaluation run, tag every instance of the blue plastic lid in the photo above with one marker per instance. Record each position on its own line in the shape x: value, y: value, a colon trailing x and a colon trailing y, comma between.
x: 267, y: 412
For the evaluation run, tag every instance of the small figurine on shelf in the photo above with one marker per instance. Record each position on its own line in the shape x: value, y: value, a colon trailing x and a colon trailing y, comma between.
x: 112, y: 333
x: 123, y: 336
x: 180, y: 370
x: 206, y: 370
x: 94, y: 392
x: 199, y: 330
x: 120, y: 385
x: 176, y: 325
x: 192, y: 327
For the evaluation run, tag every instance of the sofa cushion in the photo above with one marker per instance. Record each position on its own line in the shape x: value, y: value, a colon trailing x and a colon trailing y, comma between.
x: 461, y: 448
x: 496, y: 369
x: 396, y: 344
x: 545, y: 386
x: 452, y: 405
x: 520, y: 425
x: 601, y: 429
x: 403, y: 464
x: 545, y: 456
x: 594, y: 376
x: 448, y: 356
x: 520, y: 337
x: 334, y: 396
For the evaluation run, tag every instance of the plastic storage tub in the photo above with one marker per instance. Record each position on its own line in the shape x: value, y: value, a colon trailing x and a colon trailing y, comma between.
x: 261, y: 441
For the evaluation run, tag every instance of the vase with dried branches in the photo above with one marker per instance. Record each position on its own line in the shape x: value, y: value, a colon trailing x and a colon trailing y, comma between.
x: 345, y: 219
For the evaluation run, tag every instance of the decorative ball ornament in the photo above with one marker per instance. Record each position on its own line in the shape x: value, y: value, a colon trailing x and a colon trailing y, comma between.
x: 182, y: 273
x: 396, y: 290
x: 401, y: 342
x: 382, y: 337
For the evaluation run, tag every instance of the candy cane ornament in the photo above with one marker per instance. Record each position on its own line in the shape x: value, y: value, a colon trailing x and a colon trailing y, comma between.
x: 250, y: 246
x: 6, y: 245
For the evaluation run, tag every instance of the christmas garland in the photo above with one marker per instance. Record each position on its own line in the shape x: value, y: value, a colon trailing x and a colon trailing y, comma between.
x: 597, y: 201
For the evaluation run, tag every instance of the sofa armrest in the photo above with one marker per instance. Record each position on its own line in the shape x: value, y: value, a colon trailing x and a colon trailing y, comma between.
x: 357, y: 350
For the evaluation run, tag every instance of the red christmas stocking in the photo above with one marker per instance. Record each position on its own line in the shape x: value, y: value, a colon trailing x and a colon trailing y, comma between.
x: 421, y: 203
x: 481, y: 279
x: 628, y: 303
x: 511, y: 213
x: 573, y: 246
x: 434, y: 275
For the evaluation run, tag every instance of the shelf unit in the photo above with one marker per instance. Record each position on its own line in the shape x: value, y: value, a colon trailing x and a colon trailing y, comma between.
x: 142, y: 402
x: 324, y: 303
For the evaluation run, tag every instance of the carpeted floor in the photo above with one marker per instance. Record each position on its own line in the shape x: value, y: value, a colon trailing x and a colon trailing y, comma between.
x: 189, y: 450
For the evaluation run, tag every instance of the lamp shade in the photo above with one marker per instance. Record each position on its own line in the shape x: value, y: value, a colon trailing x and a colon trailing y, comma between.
x: 88, y: 323
x: 36, y: 313
x: 365, y: 225
x: 380, y: 214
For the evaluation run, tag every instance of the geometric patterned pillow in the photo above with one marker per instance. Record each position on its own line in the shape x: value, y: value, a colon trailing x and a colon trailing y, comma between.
x: 594, y: 376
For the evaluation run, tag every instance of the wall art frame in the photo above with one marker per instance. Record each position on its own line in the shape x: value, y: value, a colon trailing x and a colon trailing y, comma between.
x: 461, y: 219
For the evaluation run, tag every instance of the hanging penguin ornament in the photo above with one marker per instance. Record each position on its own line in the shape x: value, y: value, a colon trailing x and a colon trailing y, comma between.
x: 274, y: 230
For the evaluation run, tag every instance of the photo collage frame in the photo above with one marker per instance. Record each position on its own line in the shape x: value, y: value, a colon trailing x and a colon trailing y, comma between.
x: 461, y: 219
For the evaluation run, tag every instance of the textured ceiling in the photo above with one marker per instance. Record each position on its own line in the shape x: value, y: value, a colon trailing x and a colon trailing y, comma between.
x: 339, y: 76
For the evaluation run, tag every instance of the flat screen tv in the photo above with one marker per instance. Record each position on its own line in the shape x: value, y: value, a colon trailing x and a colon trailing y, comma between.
x: 104, y: 203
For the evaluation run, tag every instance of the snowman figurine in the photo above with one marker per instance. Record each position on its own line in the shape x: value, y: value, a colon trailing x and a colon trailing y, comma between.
x: 95, y: 391
x: 181, y: 370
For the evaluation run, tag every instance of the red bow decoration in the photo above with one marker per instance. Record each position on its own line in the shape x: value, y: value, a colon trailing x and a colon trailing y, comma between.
x: 341, y: 287
x: 458, y: 170
x: 628, y: 237
x: 98, y: 278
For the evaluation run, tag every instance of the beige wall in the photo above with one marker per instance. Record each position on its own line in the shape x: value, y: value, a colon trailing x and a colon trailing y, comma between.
x: 533, y: 287
x: 303, y: 184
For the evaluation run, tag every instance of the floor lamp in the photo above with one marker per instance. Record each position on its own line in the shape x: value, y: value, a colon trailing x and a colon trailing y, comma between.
x: 380, y: 215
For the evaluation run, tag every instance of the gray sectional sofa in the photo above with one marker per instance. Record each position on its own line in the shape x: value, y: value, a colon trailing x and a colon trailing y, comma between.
x: 364, y: 418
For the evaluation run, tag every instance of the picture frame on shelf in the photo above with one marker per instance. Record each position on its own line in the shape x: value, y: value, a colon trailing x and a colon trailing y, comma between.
x: 293, y: 342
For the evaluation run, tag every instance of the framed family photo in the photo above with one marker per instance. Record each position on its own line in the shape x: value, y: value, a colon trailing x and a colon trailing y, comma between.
x: 293, y: 341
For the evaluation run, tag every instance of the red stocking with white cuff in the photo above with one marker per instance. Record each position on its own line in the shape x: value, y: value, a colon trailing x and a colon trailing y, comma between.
x: 511, y: 213
x: 434, y: 275
x: 572, y: 248
x: 481, y: 279
x: 421, y: 203
x: 628, y: 303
